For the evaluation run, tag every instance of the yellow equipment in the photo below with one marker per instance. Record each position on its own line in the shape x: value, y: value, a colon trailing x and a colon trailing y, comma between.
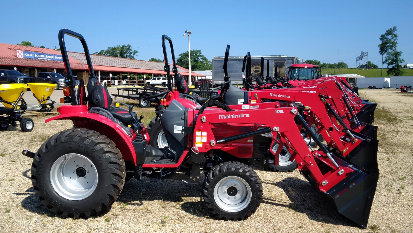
x: 42, y: 93
x: 10, y: 96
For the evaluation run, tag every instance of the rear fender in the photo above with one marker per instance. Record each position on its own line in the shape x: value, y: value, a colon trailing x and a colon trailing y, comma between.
x: 104, y: 126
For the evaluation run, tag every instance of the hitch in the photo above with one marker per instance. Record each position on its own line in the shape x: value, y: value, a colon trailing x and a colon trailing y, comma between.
x: 28, y: 153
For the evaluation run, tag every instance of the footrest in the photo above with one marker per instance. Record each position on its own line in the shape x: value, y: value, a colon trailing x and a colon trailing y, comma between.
x: 159, y: 156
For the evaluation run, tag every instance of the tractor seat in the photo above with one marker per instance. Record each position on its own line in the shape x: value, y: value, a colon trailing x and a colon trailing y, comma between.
x: 200, y: 99
x: 122, y: 114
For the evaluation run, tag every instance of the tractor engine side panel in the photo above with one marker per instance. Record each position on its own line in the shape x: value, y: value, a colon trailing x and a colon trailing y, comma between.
x: 173, y: 123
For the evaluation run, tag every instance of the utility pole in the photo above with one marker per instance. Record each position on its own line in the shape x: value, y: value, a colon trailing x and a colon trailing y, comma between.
x: 189, y: 54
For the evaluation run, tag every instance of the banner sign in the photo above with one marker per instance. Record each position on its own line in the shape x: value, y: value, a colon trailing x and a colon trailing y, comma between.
x: 39, y: 56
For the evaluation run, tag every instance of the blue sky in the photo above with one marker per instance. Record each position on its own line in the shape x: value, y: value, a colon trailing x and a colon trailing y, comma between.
x: 329, y: 31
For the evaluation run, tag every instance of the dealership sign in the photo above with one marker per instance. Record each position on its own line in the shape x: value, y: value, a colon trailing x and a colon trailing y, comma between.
x: 39, y: 56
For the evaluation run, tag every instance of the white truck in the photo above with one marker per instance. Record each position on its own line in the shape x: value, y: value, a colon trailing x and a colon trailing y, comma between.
x: 156, y: 81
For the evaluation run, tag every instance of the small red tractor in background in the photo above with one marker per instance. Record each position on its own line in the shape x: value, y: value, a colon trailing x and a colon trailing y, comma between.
x: 81, y: 171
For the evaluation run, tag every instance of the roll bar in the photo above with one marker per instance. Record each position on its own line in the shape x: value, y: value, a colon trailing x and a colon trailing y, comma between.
x: 70, y: 79
x: 165, y: 55
x: 226, y: 78
x: 262, y: 68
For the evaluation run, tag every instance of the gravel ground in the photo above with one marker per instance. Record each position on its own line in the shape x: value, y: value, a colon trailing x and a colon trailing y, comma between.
x: 290, y: 203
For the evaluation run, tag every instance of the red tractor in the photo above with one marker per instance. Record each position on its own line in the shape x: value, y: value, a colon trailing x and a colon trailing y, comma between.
x: 81, y: 171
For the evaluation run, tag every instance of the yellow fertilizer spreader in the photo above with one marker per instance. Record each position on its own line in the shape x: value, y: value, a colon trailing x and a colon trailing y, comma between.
x: 14, y: 107
x: 42, y: 93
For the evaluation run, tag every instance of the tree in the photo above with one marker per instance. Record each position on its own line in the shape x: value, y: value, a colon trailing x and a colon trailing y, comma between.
x: 314, y: 62
x: 26, y: 43
x: 342, y: 65
x: 198, y: 61
x: 124, y: 51
x: 369, y: 65
x: 388, y: 47
x: 328, y: 65
x: 394, y: 60
x: 156, y: 60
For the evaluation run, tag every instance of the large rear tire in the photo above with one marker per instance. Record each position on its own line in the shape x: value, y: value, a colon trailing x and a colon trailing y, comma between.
x: 78, y: 173
x: 232, y: 191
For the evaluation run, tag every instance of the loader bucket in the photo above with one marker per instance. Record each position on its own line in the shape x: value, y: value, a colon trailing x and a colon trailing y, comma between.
x: 11, y: 92
x: 369, y: 131
x: 354, y: 195
x: 366, y: 114
x: 364, y: 156
x: 42, y: 91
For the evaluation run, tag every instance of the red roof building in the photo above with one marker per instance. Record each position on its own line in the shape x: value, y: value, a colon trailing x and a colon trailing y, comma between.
x: 31, y: 60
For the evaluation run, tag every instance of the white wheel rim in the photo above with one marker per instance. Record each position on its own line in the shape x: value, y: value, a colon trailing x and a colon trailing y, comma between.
x: 29, y: 125
x: 162, y: 142
x: 284, y: 157
x: 144, y: 103
x: 74, y: 176
x: 232, y: 194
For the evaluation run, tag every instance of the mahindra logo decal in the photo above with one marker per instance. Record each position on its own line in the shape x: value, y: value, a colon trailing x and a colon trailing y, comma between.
x: 233, y: 116
x: 279, y: 95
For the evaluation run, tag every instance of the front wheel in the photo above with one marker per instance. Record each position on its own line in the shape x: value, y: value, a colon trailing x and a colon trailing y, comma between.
x: 78, y: 173
x: 156, y: 134
x: 285, y: 164
x: 26, y: 124
x: 232, y: 191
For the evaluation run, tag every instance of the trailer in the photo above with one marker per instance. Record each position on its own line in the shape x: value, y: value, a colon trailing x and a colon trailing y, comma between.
x: 139, y: 93
x: 278, y: 67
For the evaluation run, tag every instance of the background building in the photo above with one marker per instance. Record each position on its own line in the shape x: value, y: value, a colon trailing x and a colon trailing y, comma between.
x: 31, y: 60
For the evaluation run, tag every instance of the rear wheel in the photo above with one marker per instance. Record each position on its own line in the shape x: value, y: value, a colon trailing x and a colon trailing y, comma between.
x: 232, y: 191
x: 26, y: 124
x: 78, y: 173
x: 4, y: 126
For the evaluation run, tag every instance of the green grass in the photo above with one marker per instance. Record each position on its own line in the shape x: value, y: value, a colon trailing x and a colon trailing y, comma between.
x: 385, y: 115
x: 365, y: 73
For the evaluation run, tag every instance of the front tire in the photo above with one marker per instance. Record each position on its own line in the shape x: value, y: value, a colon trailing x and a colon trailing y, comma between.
x: 284, y: 162
x: 156, y: 134
x: 232, y: 191
x: 26, y: 124
x: 78, y: 173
